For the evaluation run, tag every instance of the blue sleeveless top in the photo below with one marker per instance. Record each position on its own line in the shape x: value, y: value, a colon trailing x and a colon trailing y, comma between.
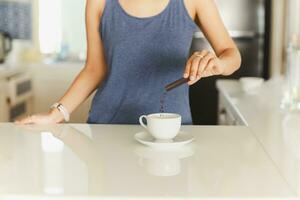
x: 143, y: 55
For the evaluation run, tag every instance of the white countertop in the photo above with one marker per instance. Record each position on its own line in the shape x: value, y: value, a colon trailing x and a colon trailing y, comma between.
x: 278, y: 131
x: 104, y: 162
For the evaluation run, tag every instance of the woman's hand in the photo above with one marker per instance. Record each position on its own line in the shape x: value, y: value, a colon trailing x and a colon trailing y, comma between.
x: 52, y: 117
x: 202, y: 64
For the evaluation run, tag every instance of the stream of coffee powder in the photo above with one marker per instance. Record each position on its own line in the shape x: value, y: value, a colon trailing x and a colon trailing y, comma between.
x: 162, y: 102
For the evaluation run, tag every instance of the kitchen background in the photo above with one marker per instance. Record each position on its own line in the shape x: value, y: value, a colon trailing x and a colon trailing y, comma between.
x: 42, y: 48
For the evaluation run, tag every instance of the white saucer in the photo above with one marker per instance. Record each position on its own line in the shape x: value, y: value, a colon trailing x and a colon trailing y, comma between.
x: 181, y: 139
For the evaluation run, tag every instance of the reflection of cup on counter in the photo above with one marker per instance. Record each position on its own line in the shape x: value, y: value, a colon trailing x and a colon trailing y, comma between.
x: 162, y: 162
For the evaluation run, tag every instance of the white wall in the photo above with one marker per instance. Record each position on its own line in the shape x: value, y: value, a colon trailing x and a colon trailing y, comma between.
x: 50, y: 82
x: 69, y: 24
x: 73, y: 24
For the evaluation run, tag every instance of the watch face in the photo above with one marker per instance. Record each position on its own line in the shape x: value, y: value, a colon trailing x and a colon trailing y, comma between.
x: 64, y: 111
x: 55, y: 105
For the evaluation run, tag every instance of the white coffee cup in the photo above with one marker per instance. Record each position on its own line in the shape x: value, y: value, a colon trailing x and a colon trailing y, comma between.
x: 162, y: 126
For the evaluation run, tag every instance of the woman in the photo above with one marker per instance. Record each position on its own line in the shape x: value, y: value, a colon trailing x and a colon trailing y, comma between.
x: 135, y: 48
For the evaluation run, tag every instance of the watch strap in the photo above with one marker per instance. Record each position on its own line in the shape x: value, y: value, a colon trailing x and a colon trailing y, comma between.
x: 62, y: 110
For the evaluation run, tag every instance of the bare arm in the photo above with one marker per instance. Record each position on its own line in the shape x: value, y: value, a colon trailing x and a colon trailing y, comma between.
x: 95, y: 68
x: 90, y: 77
x: 226, y: 58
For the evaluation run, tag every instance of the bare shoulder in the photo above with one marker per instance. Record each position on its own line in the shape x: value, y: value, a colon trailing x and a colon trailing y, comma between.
x: 95, y: 6
x: 191, y: 8
x: 197, y: 6
x: 203, y: 4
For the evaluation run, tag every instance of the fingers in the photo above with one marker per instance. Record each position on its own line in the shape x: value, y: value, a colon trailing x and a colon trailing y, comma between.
x: 201, y: 64
x: 192, y: 66
x: 191, y: 61
x: 26, y: 120
x: 188, y: 68
x: 204, y: 63
x: 194, y: 70
x: 197, y: 65
x: 209, y: 68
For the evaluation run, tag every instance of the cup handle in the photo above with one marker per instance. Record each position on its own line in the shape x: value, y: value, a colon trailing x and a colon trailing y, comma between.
x: 141, y: 121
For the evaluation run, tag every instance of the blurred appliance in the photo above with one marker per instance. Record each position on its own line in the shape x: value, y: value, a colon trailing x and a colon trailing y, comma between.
x: 5, y: 45
x: 19, y: 96
x: 248, y: 24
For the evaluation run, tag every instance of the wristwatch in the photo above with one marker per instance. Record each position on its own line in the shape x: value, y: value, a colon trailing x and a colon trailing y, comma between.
x: 63, y: 111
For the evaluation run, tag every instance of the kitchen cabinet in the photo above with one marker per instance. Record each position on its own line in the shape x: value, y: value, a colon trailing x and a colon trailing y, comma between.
x: 275, y: 128
x: 16, y: 96
x: 228, y: 114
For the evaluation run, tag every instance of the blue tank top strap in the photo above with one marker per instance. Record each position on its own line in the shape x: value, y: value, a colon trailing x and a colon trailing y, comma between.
x: 171, y: 3
x: 183, y: 8
x: 183, y: 12
x: 110, y: 4
x: 176, y: 4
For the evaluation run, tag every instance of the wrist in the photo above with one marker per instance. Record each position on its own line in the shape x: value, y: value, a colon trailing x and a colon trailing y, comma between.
x: 63, y: 111
x: 56, y: 115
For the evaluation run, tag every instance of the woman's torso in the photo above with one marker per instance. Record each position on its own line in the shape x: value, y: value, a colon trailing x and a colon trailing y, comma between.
x: 142, y: 55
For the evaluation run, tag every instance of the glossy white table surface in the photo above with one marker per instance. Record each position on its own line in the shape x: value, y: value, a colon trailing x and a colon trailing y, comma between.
x: 277, y: 130
x: 105, y: 162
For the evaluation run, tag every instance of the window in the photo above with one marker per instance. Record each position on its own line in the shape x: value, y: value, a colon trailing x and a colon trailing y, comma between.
x: 62, y: 27
x: 50, y: 26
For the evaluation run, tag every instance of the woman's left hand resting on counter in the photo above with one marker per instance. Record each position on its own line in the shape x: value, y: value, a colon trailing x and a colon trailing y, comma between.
x: 52, y: 117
